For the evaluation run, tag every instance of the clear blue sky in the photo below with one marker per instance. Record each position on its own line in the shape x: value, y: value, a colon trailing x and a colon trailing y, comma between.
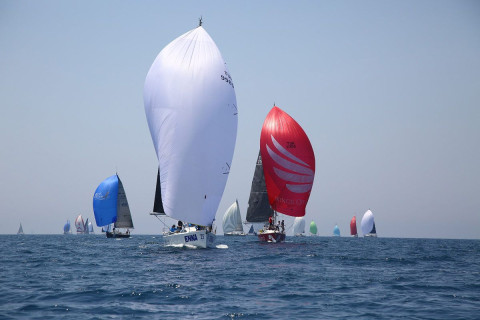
x: 388, y: 92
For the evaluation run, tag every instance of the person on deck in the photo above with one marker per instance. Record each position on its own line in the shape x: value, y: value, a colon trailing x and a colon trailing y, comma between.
x: 270, y: 222
x: 283, y: 226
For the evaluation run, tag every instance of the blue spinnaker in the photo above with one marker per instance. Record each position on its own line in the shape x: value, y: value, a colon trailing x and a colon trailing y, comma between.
x: 105, y: 201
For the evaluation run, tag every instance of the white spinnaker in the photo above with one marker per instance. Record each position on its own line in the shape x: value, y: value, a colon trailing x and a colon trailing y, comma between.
x: 298, y: 225
x: 367, y: 222
x: 232, y: 219
x: 191, y: 111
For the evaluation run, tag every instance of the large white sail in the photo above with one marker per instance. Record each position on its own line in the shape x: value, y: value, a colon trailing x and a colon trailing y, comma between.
x: 368, y: 223
x: 191, y: 111
x: 299, y: 226
x: 232, y: 219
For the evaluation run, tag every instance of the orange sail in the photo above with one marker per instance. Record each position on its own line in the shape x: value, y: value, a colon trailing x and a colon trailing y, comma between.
x: 353, y: 226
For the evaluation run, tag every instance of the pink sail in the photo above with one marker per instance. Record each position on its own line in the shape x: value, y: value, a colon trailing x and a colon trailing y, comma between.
x: 288, y: 163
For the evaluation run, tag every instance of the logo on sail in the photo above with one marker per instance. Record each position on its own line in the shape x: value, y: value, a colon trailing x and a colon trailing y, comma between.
x: 100, y: 196
x: 299, y: 176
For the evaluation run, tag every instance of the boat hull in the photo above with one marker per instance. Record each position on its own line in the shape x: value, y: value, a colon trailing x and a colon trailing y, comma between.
x: 199, y: 238
x: 117, y: 235
x: 234, y: 234
x: 271, y: 236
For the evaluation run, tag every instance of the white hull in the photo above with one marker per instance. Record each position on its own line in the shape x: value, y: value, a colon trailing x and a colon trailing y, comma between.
x: 234, y: 233
x: 373, y: 235
x: 200, y: 239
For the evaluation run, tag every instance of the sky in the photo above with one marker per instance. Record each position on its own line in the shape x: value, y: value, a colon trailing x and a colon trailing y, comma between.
x: 387, y: 91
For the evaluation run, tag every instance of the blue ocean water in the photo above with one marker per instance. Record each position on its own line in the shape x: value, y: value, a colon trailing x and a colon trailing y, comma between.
x: 92, y: 277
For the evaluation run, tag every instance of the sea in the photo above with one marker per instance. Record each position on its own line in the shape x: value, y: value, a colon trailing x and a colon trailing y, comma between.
x: 92, y: 277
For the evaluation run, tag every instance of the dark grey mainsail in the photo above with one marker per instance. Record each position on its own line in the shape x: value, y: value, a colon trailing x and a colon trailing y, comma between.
x: 124, y: 217
x: 259, y: 209
x: 158, y: 205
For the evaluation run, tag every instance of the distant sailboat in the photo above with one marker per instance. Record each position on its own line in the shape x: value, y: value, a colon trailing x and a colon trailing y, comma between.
x: 313, y: 228
x: 368, y: 225
x: 353, y: 227
x: 259, y: 209
x: 288, y: 166
x: 336, y: 231
x: 90, y: 227
x: 85, y: 227
x: 251, y: 231
x: 110, y: 205
x: 299, y: 226
x: 80, y: 225
x: 191, y: 111
x: 66, y: 228
x: 20, y: 229
x: 232, y: 221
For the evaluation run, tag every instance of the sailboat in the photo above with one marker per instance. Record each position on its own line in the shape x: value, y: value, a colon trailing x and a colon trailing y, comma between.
x: 191, y: 110
x: 353, y: 227
x: 259, y: 209
x: 110, y: 205
x: 288, y: 166
x: 80, y: 225
x: 85, y: 227
x: 313, y: 228
x: 66, y: 228
x: 299, y: 226
x: 20, y: 229
x: 90, y: 227
x: 368, y: 225
x: 232, y: 221
x: 336, y: 231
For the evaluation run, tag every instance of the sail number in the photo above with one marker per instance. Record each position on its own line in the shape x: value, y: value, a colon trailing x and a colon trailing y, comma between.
x: 227, y: 78
x: 191, y: 238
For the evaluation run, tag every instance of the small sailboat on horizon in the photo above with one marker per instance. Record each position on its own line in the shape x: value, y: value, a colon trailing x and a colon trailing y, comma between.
x: 66, y: 228
x: 110, y: 206
x: 20, y: 229
x: 313, y: 228
x: 191, y: 110
x: 336, y: 231
x: 299, y: 227
x: 353, y: 227
x: 368, y: 225
x: 232, y: 221
x: 80, y: 224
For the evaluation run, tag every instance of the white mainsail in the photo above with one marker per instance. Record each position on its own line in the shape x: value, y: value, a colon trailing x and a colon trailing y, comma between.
x: 299, y: 226
x: 232, y: 219
x: 191, y: 111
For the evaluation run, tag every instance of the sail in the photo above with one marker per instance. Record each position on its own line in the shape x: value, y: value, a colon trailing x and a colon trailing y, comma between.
x: 313, y: 227
x: 157, y: 204
x: 124, y: 217
x: 251, y: 231
x: 85, y: 227
x: 79, y: 224
x: 90, y: 227
x: 105, y: 201
x: 353, y: 226
x: 66, y: 227
x: 20, y: 229
x: 288, y: 163
x: 232, y: 220
x: 191, y: 111
x: 336, y: 231
x: 259, y: 209
x: 368, y: 223
x: 298, y: 226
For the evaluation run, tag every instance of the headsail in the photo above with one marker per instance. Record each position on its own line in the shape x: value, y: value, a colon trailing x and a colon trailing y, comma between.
x: 299, y: 226
x: 20, y: 229
x: 79, y: 224
x: 105, y: 201
x: 313, y: 227
x: 232, y: 220
x: 157, y: 204
x: 258, y: 206
x: 191, y: 111
x: 353, y: 226
x: 368, y: 223
x: 288, y: 163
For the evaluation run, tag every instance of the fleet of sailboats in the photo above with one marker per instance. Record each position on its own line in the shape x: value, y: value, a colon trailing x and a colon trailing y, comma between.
x: 191, y: 110
x: 288, y: 167
x: 110, y: 206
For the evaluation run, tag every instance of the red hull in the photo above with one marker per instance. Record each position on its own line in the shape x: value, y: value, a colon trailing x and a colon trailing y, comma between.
x: 271, y: 236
